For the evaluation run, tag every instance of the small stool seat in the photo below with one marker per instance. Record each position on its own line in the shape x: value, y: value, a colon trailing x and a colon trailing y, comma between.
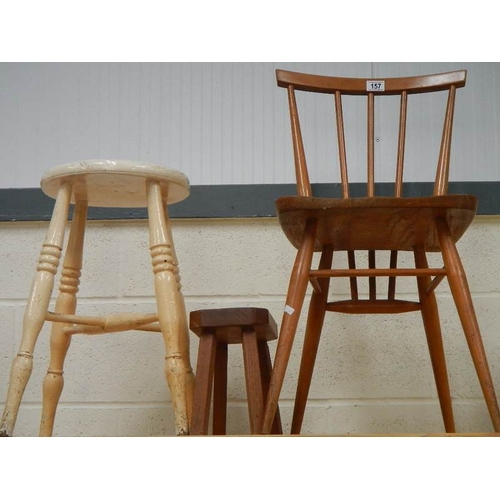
x: 103, y: 183
x: 218, y: 328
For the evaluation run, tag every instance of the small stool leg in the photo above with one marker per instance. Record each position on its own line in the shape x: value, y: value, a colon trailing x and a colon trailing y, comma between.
x: 266, y: 367
x: 220, y: 391
x: 253, y: 380
x: 36, y: 309
x: 171, y: 309
x: 66, y: 304
x: 203, y: 385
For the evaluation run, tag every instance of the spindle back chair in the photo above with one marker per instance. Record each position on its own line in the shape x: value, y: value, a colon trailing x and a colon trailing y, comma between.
x: 372, y: 223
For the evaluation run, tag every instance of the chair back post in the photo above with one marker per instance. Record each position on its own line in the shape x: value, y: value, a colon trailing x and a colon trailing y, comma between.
x: 443, y: 167
x: 302, y: 176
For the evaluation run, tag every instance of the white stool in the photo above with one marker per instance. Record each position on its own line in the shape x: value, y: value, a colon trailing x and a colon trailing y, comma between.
x: 103, y: 183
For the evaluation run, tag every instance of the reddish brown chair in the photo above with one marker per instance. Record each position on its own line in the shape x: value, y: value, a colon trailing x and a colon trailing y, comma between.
x: 373, y: 223
x: 217, y: 328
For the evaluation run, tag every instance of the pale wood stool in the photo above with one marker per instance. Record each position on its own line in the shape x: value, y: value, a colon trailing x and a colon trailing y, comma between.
x: 103, y: 183
x: 217, y: 328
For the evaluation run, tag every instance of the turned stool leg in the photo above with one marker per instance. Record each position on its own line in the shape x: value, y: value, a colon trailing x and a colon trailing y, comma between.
x: 66, y: 304
x: 36, y: 309
x: 184, y: 329
x: 171, y: 309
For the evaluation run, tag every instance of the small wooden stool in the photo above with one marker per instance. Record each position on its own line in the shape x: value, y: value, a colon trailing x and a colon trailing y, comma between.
x: 216, y: 328
x: 103, y: 183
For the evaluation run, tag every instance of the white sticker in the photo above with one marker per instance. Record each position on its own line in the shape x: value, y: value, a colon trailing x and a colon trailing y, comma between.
x: 375, y: 85
x: 289, y: 310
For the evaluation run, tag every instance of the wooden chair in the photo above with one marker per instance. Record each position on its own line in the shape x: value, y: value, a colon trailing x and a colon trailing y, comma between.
x: 371, y: 223
x: 103, y: 183
x: 251, y: 327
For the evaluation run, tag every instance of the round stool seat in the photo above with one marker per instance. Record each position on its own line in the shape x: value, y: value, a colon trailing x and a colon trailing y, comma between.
x: 115, y: 183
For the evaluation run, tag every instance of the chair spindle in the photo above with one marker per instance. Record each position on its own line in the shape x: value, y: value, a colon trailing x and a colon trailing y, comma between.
x: 341, y: 141
x: 371, y: 145
x: 398, y: 189
x: 401, y: 145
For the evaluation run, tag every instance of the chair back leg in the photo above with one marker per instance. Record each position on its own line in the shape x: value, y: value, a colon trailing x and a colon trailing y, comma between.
x: 465, y: 308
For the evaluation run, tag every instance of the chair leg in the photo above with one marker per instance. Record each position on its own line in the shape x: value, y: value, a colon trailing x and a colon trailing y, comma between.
x: 265, y: 370
x: 430, y: 317
x: 253, y: 380
x: 463, y: 301
x: 294, y: 301
x: 36, y: 309
x: 203, y: 385
x: 171, y: 309
x: 66, y: 304
x: 315, y: 320
x: 220, y: 391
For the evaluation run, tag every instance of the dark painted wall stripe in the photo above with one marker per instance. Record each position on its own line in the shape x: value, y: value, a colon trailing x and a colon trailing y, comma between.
x: 232, y: 201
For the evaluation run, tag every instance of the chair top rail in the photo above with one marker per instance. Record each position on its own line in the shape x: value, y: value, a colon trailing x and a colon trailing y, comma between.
x: 365, y: 86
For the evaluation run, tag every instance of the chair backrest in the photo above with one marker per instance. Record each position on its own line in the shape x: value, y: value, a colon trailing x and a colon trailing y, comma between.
x: 371, y: 89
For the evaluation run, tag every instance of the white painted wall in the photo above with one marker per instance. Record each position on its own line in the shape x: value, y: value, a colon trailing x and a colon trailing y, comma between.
x: 222, y: 123
x: 373, y: 373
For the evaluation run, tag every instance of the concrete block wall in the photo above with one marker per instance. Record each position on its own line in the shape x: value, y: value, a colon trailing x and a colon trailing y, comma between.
x: 373, y: 373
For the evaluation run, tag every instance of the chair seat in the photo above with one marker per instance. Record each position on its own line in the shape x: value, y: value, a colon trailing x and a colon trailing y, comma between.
x: 115, y: 183
x: 378, y: 223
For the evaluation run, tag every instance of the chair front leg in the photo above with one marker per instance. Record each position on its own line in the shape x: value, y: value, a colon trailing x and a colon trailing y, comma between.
x: 315, y: 320
x: 36, y: 309
x: 463, y: 301
x: 432, y: 327
x: 294, y: 301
